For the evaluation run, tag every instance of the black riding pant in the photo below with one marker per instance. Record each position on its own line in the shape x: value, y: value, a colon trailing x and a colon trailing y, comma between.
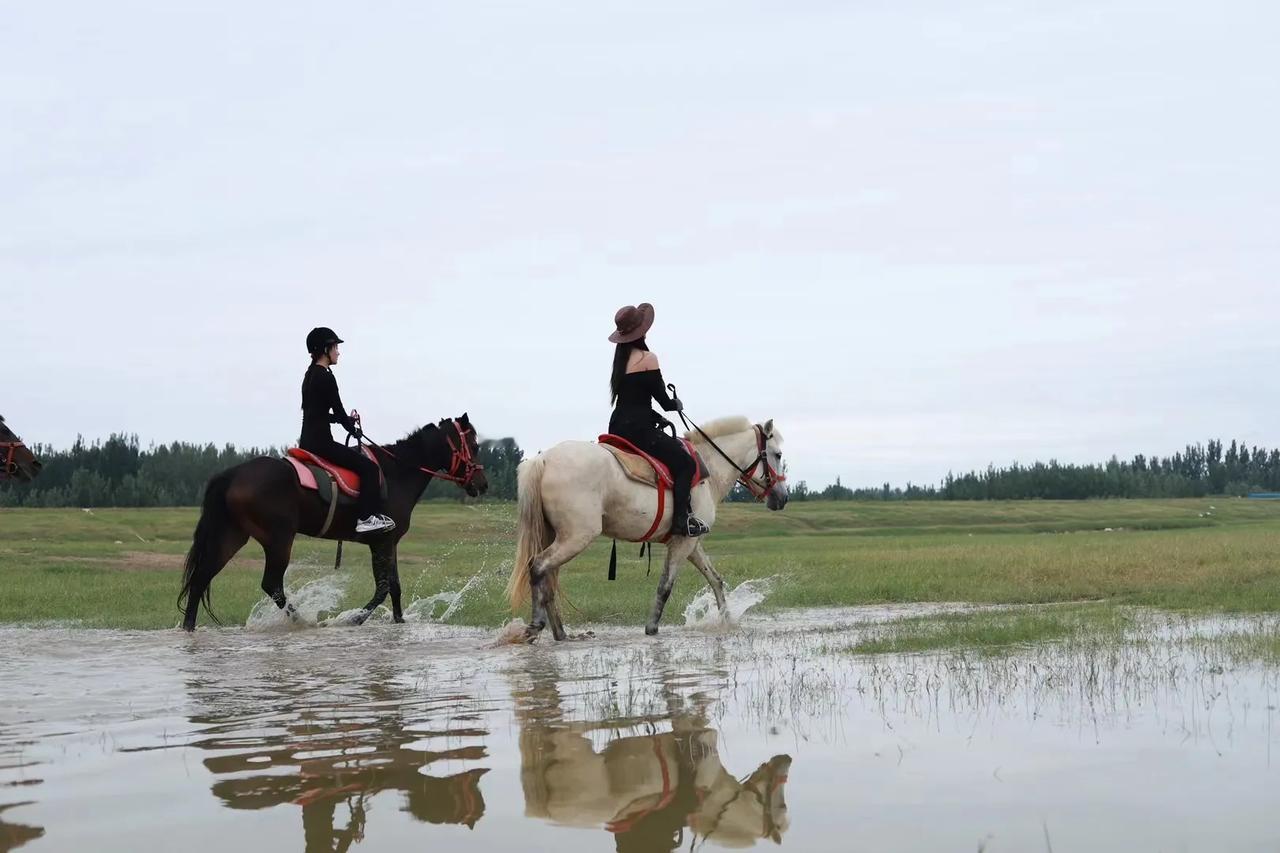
x: 671, y: 452
x: 370, y: 500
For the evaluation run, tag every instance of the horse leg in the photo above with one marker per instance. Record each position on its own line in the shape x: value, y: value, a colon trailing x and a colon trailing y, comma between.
x: 538, y: 607
x: 278, y: 548
x: 554, y: 621
x: 397, y: 613
x: 231, y: 541
x: 543, y: 579
x: 700, y: 559
x: 677, y: 553
x: 383, y: 559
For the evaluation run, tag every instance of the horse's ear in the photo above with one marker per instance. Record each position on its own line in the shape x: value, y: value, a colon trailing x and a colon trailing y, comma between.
x: 768, y: 428
x: 465, y: 419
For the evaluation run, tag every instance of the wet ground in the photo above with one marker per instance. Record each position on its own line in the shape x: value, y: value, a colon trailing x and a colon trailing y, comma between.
x: 427, y: 736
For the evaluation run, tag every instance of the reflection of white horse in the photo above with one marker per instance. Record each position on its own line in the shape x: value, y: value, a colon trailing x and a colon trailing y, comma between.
x: 577, y: 491
x: 649, y: 786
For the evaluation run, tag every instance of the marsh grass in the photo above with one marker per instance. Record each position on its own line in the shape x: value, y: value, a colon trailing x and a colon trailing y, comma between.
x: 992, y: 631
x: 121, y: 567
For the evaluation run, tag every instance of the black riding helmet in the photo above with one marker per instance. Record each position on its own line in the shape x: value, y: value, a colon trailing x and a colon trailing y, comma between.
x: 320, y: 339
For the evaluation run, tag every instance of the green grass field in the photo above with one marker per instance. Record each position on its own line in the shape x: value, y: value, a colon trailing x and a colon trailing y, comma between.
x: 121, y: 568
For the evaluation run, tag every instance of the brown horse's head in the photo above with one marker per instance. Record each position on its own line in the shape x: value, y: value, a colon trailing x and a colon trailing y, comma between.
x: 474, y: 483
x: 459, y: 458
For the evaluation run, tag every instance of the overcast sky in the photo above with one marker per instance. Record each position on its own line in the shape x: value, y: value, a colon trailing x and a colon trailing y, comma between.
x: 922, y: 236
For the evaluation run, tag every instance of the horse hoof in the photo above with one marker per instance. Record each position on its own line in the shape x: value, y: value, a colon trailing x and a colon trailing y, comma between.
x: 651, y: 630
x: 399, y: 620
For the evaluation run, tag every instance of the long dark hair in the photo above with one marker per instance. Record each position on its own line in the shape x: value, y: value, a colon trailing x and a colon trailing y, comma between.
x: 620, y: 357
x: 306, y: 378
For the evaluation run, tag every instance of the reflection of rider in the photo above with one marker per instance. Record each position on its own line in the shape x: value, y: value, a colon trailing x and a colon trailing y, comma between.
x: 637, y: 380
x: 322, y: 406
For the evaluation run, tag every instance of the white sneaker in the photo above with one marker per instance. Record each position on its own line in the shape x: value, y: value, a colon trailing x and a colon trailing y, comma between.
x: 374, y: 523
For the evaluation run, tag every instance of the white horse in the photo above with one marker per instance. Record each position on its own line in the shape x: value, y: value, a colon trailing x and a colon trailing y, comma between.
x: 577, y: 491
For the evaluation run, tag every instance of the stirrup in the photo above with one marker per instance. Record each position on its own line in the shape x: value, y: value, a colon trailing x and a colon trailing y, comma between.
x: 693, y: 526
x: 374, y: 523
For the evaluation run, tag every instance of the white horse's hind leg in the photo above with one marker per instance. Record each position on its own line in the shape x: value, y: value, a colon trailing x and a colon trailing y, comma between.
x: 542, y: 580
x: 700, y: 559
x: 677, y: 552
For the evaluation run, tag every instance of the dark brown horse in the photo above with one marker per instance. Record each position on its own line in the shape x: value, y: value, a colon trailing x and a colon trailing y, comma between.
x: 262, y: 499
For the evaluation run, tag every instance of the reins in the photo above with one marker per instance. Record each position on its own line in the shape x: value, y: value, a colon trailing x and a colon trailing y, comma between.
x: 462, y: 457
x: 747, y: 476
x: 462, y: 464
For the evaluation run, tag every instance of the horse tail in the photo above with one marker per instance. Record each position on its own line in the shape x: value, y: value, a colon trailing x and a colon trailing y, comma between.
x: 534, y: 533
x: 204, y: 560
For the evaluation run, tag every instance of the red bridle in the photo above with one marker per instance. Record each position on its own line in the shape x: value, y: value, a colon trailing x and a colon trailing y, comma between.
x: 462, y: 464
x: 772, y: 476
x: 10, y: 467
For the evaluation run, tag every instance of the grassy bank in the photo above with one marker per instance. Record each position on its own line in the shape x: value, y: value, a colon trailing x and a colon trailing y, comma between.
x: 120, y: 568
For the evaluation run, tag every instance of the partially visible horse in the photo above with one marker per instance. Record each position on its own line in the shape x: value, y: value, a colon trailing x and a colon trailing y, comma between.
x: 577, y: 491
x: 264, y: 500
x: 17, y: 462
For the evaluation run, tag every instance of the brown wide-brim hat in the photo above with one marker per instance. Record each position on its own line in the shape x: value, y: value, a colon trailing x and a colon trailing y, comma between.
x: 633, y: 322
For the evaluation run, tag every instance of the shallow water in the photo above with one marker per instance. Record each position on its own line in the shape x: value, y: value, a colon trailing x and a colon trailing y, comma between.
x: 428, y: 736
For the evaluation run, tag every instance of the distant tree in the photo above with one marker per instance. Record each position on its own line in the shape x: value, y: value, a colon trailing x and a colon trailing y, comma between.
x: 118, y: 472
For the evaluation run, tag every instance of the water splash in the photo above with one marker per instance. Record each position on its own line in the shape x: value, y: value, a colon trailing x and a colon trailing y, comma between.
x: 352, y: 618
x: 511, y: 634
x: 310, y: 602
x: 430, y: 610
x: 424, y: 609
x: 703, y: 613
x: 314, y: 601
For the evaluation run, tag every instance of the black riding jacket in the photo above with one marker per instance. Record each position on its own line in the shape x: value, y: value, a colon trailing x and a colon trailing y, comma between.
x: 321, y: 406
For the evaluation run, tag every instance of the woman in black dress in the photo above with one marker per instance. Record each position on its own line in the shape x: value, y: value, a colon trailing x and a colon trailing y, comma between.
x: 636, y: 381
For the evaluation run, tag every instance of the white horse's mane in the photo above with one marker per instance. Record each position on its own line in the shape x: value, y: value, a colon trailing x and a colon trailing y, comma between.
x: 720, y: 427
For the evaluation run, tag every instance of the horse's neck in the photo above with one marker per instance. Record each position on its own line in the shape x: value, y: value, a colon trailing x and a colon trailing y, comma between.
x: 741, y: 448
x: 406, y: 469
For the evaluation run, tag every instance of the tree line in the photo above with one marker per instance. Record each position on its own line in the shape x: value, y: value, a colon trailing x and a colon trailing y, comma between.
x: 1196, y: 471
x: 121, y: 472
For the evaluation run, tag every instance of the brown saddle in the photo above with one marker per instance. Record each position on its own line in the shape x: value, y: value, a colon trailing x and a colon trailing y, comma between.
x: 643, y: 468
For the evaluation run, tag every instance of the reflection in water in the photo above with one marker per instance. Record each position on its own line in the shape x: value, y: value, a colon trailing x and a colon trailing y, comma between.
x: 330, y: 751
x: 13, y: 769
x: 1162, y: 738
x: 14, y: 835
x: 644, y: 788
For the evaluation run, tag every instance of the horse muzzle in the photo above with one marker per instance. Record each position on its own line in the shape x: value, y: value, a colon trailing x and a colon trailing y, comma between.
x: 777, y: 497
x: 477, y: 484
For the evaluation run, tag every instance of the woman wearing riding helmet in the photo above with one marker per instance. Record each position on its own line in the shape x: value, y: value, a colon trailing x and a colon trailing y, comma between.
x: 321, y: 406
x: 636, y: 381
